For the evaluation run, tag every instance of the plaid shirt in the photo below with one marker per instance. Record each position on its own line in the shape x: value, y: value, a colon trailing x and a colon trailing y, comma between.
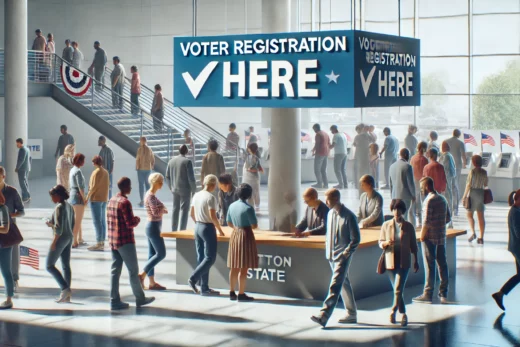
x: 436, y: 215
x: 121, y: 221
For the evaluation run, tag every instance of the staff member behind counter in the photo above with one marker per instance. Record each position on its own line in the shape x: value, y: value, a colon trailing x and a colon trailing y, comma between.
x: 314, y: 221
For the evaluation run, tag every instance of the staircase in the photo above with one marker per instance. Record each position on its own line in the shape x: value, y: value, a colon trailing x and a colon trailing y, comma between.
x: 120, y: 126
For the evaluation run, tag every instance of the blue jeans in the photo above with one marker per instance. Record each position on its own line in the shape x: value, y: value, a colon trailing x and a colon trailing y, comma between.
x: 181, y: 206
x: 398, y: 279
x: 320, y: 170
x: 142, y: 178
x: 435, y: 254
x: 128, y: 255
x: 340, y: 284
x: 206, y: 246
x: 99, y: 217
x: 63, y: 248
x: 23, y: 178
x: 340, y: 169
x: 5, y: 267
x: 156, y: 247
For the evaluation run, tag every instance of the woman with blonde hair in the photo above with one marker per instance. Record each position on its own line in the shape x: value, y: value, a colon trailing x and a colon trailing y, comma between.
x: 155, y: 210
x: 63, y: 167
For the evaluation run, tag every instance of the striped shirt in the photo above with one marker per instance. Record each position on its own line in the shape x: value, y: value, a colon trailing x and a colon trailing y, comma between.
x: 477, y: 179
x: 435, y: 217
x: 154, y: 207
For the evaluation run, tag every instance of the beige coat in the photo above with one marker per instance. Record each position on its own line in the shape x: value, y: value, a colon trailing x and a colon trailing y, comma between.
x: 144, y: 159
x: 408, y: 243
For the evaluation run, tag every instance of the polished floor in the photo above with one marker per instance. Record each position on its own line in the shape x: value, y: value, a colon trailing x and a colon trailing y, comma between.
x: 179, y: 318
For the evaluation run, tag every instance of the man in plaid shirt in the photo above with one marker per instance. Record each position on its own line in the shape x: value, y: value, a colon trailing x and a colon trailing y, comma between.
x: 121, y: 223
x: 436, y: 215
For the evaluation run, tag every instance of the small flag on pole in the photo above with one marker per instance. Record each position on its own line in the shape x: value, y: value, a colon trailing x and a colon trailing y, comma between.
x: 305, y: 137
x: 469, y: 139
x: 487, y: 140
x: 30, y: 257
x: 507, y: 140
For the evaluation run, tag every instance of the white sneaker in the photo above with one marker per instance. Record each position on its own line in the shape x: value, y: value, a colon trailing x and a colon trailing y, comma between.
x: 348, y: 320
x: 98, y: 247
x: 65, y: 296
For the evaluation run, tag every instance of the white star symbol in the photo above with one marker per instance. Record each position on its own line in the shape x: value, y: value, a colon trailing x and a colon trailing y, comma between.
x: 332, y: 77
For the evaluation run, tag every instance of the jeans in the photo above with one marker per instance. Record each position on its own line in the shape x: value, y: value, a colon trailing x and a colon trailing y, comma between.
x: 456, y: 191
x: 320, y: 170
x: 5, y: 267
x: 388, y: 162
x: 448, y: 193
x: 99, y: 75
x: 63, y: 248
x: 128, y: 255
x: 410, y: 212
x: 418, y: 200
x: 513, y: 281
x: 109, y: 186
x: 340, y: 283
x: 206, y: 246
x: 181, y: 205
x: 23, y: 177
x: 15, y: 262
x: 398, y: 279
x: 435, y: 254
x: 142, y: 178
x: 156, y: 247
x: 340, y: 169
x: 117, y: 100
x: 99, y: 217
x: 134, y: 98
x: 158, y: 122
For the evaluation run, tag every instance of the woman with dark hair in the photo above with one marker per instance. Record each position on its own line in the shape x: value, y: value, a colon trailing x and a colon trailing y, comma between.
x: 98, y: 197
x: 77, y: 197
x: 251, y: 174
x: 399, y: 242
x: 227, y: 195
x: 158, y: 109
x: 6, y: 256
x: 62, y: 224
x: 242, y: 253
x: 476, y: 182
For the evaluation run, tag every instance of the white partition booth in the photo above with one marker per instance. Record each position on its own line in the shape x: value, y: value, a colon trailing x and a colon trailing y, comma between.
x: 506, y: 178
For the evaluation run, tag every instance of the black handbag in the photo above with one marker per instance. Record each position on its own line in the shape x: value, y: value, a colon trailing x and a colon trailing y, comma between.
x: 13, y: 236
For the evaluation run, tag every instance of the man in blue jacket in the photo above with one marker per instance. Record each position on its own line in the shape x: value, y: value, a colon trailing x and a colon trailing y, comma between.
x: 23, y: 167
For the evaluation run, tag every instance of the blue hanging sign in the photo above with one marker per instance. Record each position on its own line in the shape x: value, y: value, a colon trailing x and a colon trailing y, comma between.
x: 333, y: 69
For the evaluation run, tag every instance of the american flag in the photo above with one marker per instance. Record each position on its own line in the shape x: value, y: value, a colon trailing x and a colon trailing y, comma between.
x: 349, y: 139
x: 468, y: 138
x: 305, y: 137
x: 507, y: 140
x: 30, y: 257
x: 487, y: 140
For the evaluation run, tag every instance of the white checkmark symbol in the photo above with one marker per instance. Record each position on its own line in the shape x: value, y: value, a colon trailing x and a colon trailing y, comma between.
x: 195, y: 85
x: 365, y: 83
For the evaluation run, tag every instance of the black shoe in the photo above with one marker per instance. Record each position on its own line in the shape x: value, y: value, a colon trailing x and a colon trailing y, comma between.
x: 146, y: 301
x: 245, y: 298
x: 193, y: 286
x: 499, y: 299
x: 114, y: 306
x: 480, y: 241
x: 404, y: 320
x: 498, y: 321
x: 233, y: 296
x: 320, y: 320
x: 210, y: 292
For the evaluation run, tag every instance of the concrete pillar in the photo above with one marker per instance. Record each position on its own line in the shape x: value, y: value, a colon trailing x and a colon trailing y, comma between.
x: 285, y: 147
x: 15, y: 107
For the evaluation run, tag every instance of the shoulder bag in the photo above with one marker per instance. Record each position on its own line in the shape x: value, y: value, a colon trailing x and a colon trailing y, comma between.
x: 467, y: 203
x: 13, y: 236
x: 488, y: 196
x: 381, y: 264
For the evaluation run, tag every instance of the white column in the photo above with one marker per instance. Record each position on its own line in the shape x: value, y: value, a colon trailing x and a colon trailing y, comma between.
x: 15, y: 70
x: 285, y: 147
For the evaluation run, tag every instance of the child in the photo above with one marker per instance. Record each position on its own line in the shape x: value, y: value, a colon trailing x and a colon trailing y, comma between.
x: 374, y: 162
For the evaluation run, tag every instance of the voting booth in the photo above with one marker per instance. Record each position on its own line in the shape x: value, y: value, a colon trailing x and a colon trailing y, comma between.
x: 506, y: 178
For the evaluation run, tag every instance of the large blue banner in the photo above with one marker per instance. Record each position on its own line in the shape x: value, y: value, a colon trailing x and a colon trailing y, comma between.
x: 316, y: 69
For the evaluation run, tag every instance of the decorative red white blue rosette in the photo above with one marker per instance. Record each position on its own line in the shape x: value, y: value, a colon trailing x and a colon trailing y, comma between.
x: 74, y: 81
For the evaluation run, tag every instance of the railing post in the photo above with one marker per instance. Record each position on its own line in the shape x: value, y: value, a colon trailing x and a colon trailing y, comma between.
x: 92, y: 94
x: 169, y: 143
x: 142, y: 123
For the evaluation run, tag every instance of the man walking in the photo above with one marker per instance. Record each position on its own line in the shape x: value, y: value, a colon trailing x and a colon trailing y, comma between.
x: 117, y: 79
x: 435, y: 170
x: 23, y: 167
x: 121, y: 224
x: 181, y: 180
x: 64, y: 140
x: 98, y: 65
x: 341, y: 240
x: 390, y: 148
x: 362, y: 143
x: 144, y: 164
x: 135, y: 90
x: 410, y: 141
x: 418, y: 162
x: 107, y: 155
x: 401, y: 184
x: 436, y: 215
x: 339, y: 144
x: 321, y: 154
x: 458, y: 151
x: 68, y: 52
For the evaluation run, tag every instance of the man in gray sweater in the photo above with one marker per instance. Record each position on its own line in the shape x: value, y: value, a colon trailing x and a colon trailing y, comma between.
x: 23, y: 166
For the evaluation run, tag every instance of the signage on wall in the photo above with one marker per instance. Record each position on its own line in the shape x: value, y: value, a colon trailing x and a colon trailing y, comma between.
x: 342, y: 69
x: 36, y: 148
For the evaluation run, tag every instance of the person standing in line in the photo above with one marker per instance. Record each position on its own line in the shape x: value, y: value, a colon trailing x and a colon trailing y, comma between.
x: 181, y: 181
x: 446, y: 160
x: 341, y: 241
x: 62, y: 224
x: 402, y: 186
x: 77, y: 55
x: 399, y: 242
x: 458, y: 150
x: 64, y: 140
x: 98, y: 66
x: 251, y: 174
x: 14, y: 203
x: 374, y: 163
x: 418, y: 162
x: 432, y: 143
x: 121, y: 224
x: 117, y: 80
x: 435, y: 170
x: 77, y: 197
x: 314, y: 221
x: 135, y: 91
x: 339, y: 144
x: 68, y: 52
x: 242, y: 254
x: 107, y: 156
x: 321, y: 154
x: 23, y: 167
x: 253, y: 138
x: 39, y: 42
x: 39, y: 45
x: 370, y: 213
x: 372, y: 134
x: 144, y: 164
x: 233, y: 139
x: 410, y: 141
x: 155, y: 210
x: 188, y: 141
x: 98, y: 197
x: 50, y: 49
x: 436, y: 215
x: 476, y: 182
x: 227, y: 194
x: 513, y: 220
x: 158, y: 109
x: 362, y: 143
x: 212, y: 163
x: 6, y: 254
x: 390, y: 148
x: 63, y: 167
x: 204, y: 213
